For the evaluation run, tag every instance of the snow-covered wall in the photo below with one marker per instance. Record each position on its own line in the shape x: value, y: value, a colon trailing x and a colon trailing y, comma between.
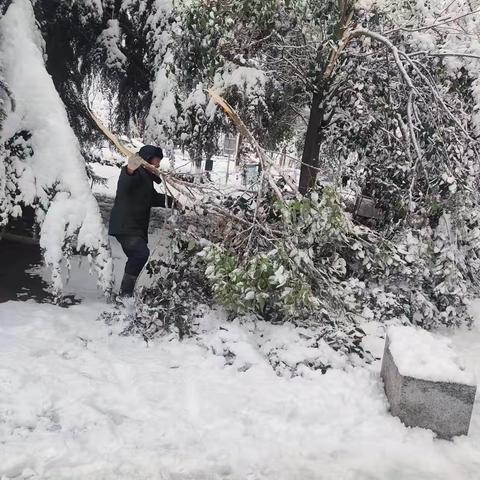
x: 54, y: 178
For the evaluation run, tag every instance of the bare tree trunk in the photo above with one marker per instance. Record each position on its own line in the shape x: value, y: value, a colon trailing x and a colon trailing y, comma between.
x: 196, y: 159
x: 238, y: 146
x: 310, y: 161
x: 317, y: 121
x: 208, y: 164
x: 198, y: 165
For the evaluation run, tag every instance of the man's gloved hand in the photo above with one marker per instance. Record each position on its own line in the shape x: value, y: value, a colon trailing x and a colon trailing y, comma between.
x: 134, y: 161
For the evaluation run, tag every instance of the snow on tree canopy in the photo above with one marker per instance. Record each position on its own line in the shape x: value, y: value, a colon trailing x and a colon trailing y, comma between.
x: 163, y: 112
x: 455, y: 38
x: 419, y: 354
x: 111, y: 39
x: 248, y: 78
x: 52, y: 178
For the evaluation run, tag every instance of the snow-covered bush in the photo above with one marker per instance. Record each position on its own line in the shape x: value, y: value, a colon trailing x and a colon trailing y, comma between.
x: 403, y: 132
x: 302, y: 272
x: 184, y: 292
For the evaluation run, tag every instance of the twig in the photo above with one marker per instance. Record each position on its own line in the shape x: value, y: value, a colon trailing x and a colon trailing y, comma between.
x: 445, y: 54
x: 445, y: 21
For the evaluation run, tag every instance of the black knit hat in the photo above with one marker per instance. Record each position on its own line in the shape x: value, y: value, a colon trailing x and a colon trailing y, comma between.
x: 147, y: 152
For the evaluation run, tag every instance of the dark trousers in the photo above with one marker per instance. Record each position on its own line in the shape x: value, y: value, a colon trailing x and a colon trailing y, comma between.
x: 137, y: 252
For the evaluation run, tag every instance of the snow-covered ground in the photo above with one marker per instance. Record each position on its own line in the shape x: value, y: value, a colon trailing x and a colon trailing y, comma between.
x: 79, y: 401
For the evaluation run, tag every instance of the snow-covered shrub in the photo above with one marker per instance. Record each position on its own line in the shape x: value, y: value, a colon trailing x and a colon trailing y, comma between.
x: 445, y: 261
x: 16, y: 153
x: 290, y: 350
x: 7, y: 104
x: 260, y: 284
x: 429, y: 275
x: 406, y: 139
x: 300, y: 274
x: 181, y: 298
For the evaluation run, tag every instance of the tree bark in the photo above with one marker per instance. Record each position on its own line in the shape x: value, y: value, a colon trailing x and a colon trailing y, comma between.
x: 208, y: 164
x: 196, y: 159
x: 198, y: 165
x: 311, y: 149
x: 238, y: 146
x: 316, y: 123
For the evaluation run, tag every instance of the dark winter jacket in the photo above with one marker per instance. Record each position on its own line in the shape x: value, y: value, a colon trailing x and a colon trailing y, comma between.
x: 135, y: 196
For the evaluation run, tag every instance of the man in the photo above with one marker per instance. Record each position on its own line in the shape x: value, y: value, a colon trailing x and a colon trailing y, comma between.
x: 130, y: 215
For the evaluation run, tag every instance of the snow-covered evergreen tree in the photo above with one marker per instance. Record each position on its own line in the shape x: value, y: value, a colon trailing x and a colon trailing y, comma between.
x: 197, y: 55
x: 42, y: 165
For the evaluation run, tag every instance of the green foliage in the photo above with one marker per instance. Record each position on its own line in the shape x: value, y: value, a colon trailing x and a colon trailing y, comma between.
x: 195, y: 43
x: 265, y: 284
x: 300, y: 277
x: 17, y: 152
x: 303, y: 274
x: 325, y: 268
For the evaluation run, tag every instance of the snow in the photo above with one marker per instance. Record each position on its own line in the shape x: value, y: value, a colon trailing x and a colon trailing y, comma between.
x: 163, y: 112
x: 251, y: 81
x: 81, y: 402
x: 420, y: 354
x: 244, y: 342
x: 110, y: 38
x: 57, y: 165
x: 110, y: 175
x: 239, y: 400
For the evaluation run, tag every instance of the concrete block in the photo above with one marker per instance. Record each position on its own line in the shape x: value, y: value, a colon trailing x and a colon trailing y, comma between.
x: 425, y: 390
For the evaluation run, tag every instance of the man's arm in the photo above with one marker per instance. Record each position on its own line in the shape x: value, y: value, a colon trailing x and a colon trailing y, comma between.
x: 130, y: 177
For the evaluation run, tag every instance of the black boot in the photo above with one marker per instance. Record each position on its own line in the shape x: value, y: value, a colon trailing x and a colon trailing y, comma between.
x: 127, y: 285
